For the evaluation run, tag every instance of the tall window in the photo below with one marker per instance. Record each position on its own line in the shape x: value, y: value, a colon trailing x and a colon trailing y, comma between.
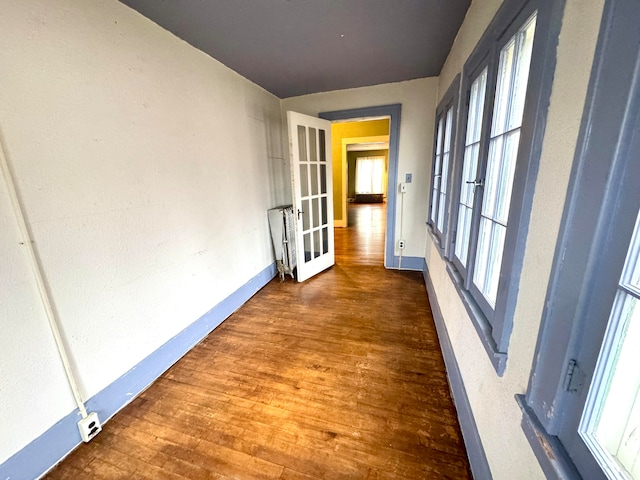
x: 470, y: 166
x: 506, y: 83
x: 482, y: 221
x: 513, y: 75
x: 610, y: 423
x: 442, y: 156
x: 581, y: 411
x: 370, y: 175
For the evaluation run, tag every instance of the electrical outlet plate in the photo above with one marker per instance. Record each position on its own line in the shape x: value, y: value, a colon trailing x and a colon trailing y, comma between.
x: 401, y: 244
x: 89, y: 427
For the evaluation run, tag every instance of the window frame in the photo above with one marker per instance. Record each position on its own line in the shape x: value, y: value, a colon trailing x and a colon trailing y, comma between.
x: 599, y: 216
x: 494, y: 325
x: 450, y: 100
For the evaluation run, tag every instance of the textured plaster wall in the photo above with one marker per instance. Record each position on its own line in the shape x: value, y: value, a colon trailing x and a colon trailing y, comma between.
x: 492, y: 398
x: 418, y: 99
x: 145, y: 168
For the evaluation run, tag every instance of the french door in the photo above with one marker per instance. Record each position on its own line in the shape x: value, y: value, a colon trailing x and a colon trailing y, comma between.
x: 311, y: 176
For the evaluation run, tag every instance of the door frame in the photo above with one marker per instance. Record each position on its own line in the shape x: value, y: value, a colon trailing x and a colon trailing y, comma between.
x: 393, y: 111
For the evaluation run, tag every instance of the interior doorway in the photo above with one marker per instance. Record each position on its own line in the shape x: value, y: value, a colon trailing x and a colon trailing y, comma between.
x: 392, y: 114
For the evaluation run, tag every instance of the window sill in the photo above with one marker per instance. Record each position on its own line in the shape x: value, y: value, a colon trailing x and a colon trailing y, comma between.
x: 483, y: 328
x: 436, y: 240
x: 551, y: 455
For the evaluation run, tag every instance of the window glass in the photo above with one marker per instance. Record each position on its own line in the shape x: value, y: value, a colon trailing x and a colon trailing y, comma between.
x: 470, y: 166
x: 370, y: 175
x: 437, y: 172
x: 610, y: 423
x: 444, y: 176
x: 511, y: 87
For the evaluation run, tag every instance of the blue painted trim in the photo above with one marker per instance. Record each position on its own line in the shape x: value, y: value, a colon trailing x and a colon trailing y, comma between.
x: 475, y: 451
x: 479, y: 321
x: 408, y: 263
x: 53, y: 445
x: 551, y: 455
x: 392, y: 183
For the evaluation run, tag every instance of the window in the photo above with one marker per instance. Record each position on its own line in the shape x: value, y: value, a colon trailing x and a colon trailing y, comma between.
x: 581, y: 412
x: 506, y: 83
x: 370, y: 175
x: 610, y: 423
x: 442, y: 156
x: 470, y: 167
x: 495, y: 197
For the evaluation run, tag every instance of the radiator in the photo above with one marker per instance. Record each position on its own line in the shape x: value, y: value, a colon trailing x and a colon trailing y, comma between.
x: 282, y: 226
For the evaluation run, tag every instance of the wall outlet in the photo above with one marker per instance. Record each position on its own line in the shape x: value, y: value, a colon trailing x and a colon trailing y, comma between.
x: 403, y: 188
x: 408, y: 178
x: 401, y: 244
x: 89, y: 427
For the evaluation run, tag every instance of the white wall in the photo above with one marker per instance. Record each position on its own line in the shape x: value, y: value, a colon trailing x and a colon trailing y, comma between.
x: 418, y: 99
x: 145, y: 168
x: 492, y: 398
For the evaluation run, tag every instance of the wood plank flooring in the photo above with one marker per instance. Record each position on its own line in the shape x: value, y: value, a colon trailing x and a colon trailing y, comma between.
x: 340, y: 377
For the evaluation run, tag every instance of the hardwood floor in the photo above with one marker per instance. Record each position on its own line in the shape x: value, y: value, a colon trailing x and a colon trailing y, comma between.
x: 338, y: 377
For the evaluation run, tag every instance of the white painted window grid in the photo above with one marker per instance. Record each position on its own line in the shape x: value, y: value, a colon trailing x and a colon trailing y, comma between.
x: 495, y: 188
x: 470, y: 166
x: 610, y: 424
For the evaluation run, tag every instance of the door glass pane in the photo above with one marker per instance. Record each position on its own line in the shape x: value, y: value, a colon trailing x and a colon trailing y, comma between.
x: 305, y: 215
x: 316, y: 244
x: 307, y: 247
x: 313, y: 168
x: 302, y: 143
x: 316, y: 213
x: 304, y: 180
x: 323, y: 178
x: 324, y: 210
x: 610, y: 423
x: 313, y: 151
x: 325, y: 240
x: 323, y: 156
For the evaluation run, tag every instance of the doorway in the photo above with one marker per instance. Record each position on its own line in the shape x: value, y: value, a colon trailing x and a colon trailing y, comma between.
x: 392, y: 112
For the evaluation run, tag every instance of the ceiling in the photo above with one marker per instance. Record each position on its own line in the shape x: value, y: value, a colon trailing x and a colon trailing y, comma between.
x: 296, y: 47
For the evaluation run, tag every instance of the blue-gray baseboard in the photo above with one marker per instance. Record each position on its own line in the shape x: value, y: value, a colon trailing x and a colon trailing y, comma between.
x: 472, y: 442
x: 46, y: 451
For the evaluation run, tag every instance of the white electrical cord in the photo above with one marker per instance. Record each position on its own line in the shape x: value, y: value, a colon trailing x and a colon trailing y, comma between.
x: 401, y: 236
x: 37, y: 272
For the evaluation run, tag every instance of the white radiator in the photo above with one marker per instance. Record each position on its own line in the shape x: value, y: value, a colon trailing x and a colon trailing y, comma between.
x: 282, y: 226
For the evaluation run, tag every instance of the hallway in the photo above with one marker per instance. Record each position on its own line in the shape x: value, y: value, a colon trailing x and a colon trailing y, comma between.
x: 338, y: 377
